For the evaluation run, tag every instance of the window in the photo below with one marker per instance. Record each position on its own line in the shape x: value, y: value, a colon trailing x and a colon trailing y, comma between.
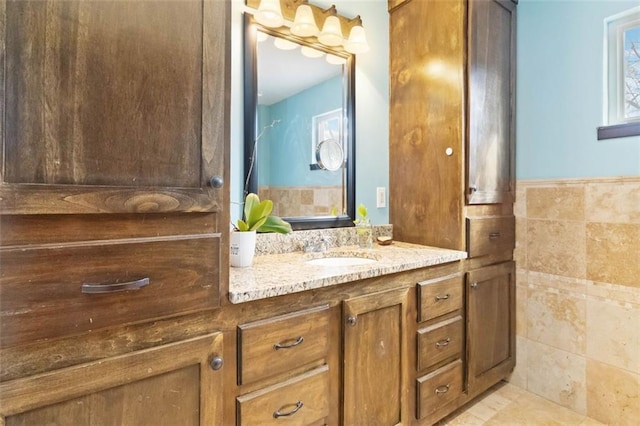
x: 622, y: 75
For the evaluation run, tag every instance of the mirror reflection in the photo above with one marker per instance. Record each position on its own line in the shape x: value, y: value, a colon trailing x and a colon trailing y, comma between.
x: 301, y: 133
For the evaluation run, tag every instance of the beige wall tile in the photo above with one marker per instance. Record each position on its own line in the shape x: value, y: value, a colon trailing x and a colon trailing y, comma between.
x: 613, y: 395
x: 557, y: 375
x: 577, y: 286
x: 561, y: 203
x: 613, y: 202
x: 521, y: 309
x: 556, y: 319
x: 556, y: 247
x: 614, y: 292
x: 520, y: 206
x: 520, y: 251
x: 612, y: 333
x: 519, y: 375
x: 535, y: 411
x: 613, y: 253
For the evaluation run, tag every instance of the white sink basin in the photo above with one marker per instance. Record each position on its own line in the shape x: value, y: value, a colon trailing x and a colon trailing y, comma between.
x: 340, y: 261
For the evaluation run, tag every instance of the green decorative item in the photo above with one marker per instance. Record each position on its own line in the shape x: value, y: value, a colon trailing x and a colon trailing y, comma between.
x: 257, y: 217
x: 364, y: 230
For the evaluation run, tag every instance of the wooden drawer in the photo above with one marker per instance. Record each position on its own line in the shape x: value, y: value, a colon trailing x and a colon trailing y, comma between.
x: 439, y: 296
x: 302, y: 400
x: 489, y: 235
x: 275, y: 345
x: 440, y: 342
x: 42, y: 293
x: 439, y: 388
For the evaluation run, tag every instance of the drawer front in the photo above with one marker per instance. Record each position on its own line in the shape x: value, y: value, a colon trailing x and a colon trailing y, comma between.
x: 276, y: 345
x: 440, y: 296
x: 489, y: 235
x: 439, y: 388
x: 440, y: 342
x: 46, y: 291
x: 302, y: 400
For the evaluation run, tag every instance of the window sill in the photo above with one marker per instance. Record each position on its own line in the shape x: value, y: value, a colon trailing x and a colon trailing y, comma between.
x: 619, y: 131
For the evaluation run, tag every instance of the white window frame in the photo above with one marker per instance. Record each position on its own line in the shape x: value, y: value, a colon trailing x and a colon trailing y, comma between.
x: 614, y: 65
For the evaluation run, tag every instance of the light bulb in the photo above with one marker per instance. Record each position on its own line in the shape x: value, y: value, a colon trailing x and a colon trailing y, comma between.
x: 310, y: 52
x: 269, y: 14
x: 284, y: 44
x: 357, y: 42
x: 336, y: 60
x: 331, y: 34
x: 303, y: 24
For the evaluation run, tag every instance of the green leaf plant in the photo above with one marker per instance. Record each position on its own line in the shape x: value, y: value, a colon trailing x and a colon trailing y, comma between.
x: 257, y: 217
x: 362, y: 213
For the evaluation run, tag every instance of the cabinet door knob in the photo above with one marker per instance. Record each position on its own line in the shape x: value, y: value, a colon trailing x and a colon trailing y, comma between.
x: 217, y: 181
x: 352, y: 320
x: 473, y: 188
x: 474, y: 285
x: 216, y: 363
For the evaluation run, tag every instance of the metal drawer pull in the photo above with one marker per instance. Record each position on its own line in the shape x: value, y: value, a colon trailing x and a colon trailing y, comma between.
x: 89, y: 288
x: 442, y: 389
x: 445, y: 297
x: 288, y: 345
x: 443, y: 343
x: 494, y: 235
x: 290, y: 413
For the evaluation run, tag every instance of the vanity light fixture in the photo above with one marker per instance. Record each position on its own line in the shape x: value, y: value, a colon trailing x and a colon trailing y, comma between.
x: 303, y: 20
x: 331, y: 34
x: 357, y: 42
x: 269, y: 14
x: 304, y: 24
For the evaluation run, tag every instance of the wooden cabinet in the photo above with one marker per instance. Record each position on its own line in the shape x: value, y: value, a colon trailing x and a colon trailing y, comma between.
x: 114, y: 126
x: 285, y: 359
x: 113, y: 107
x: 375, y: 358
x: 491, y: 318
x: 176, y: 383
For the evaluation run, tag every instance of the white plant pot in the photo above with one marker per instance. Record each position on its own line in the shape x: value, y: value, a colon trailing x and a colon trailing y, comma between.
x: 242, y: 248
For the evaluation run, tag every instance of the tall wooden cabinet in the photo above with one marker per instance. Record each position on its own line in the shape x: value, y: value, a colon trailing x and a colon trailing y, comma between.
x: 115, y: 128
x: 451, y: 149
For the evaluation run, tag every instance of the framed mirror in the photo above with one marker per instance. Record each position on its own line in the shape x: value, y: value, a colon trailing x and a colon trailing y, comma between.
x: 299, y: 128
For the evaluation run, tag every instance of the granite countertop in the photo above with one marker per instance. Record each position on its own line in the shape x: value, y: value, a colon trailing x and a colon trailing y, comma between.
x: 279, y: 274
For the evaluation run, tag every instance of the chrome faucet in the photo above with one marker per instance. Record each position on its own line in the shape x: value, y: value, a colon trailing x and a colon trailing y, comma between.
x: 316, y: 247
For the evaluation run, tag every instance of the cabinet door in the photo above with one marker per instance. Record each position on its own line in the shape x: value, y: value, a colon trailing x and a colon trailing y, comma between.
x: 374, y: 358
x: 491, y: 101
x: 173, y: 384
x: 112, y: 106
x: 491, y: 324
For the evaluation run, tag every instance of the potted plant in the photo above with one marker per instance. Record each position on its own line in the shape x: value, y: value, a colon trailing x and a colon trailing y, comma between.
x: 257, y: 218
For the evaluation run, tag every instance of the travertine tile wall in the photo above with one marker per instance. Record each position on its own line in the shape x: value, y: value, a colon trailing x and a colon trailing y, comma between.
x: 578, y: 295
x: 293, y: 201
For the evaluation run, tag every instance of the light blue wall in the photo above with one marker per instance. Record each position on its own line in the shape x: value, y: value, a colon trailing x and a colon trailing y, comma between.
x: 560, y: 92
x: 285, y: 150
x: 372, y: 104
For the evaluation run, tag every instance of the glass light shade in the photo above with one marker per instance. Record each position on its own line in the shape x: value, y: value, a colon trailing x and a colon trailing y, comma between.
x: 310, y: 52
x: 331, y: 34
x: 303, y: 24
x: 336, y: 60
x: 269, y: 14
x: 357, y: 42
x: 284, y: 44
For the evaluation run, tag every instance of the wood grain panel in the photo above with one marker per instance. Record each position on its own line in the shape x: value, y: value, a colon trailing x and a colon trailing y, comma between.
x: 309, y: 390
x: 374, y: 351
x: 491, y: 324
x: 178, y: 388
x: 487, y: 235
x: 491, y: 101
x: 306, y: 333
x: 439, y: 388
x: 440, y: 342
x: 40, y: 287
x: 427, y: 86
x: 440, y: 296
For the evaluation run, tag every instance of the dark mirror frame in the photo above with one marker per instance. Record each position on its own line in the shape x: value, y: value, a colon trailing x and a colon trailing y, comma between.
x: 251, y: 125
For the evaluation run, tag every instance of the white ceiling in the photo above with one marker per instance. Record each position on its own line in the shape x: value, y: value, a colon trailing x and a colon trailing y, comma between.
x: 282, y: 73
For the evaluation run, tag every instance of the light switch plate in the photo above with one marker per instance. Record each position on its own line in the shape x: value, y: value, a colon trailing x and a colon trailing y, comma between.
x: 381, y: 197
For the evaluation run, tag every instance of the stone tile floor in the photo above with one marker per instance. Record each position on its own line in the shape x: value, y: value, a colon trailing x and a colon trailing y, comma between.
x: 509, y: 405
